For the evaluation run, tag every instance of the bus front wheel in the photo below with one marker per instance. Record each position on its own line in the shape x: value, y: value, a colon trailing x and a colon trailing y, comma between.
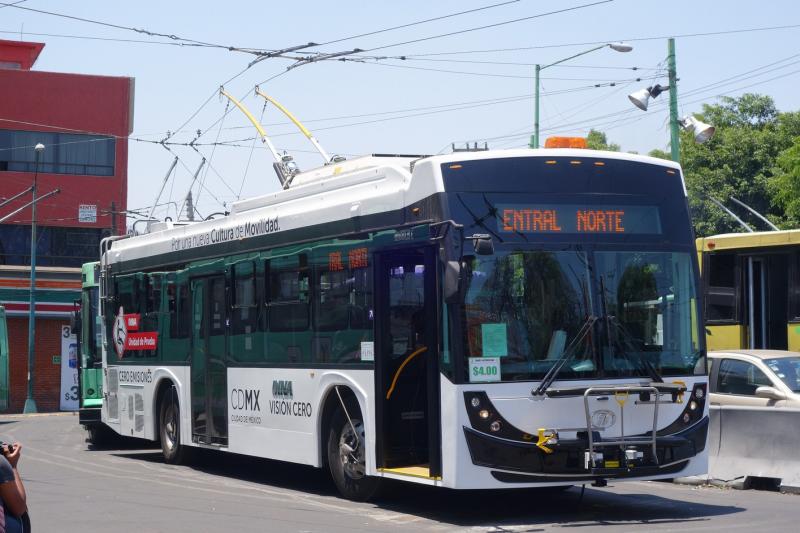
x: 347, y: 456
x: 170, y: 428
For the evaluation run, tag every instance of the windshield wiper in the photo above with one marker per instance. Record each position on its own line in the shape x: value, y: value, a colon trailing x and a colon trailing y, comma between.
x: 550, y: 377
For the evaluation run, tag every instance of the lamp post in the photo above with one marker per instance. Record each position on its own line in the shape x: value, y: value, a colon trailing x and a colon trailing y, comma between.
x: 30, y: 403
x: 702, y: 131
x: 618, y: 47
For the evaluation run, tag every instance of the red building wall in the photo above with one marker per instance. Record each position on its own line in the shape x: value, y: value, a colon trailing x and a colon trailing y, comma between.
x: 72, y: 103
x: 33, y: 100
x: 47, y: 376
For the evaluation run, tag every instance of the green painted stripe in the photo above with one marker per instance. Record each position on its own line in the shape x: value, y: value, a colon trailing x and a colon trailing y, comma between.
x: 42, y: 295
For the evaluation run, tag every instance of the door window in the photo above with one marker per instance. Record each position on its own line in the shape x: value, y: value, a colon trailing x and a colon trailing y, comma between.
x: 740, y: 378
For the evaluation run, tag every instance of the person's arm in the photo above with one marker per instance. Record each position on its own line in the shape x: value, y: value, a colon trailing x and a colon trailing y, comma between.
x: 13, y: 491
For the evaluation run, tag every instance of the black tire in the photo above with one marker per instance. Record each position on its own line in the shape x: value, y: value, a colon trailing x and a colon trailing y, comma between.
x: 346, y: 456
x: 170, y: 428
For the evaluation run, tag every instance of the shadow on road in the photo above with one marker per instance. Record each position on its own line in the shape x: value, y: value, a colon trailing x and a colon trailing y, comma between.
x: 498, y: 508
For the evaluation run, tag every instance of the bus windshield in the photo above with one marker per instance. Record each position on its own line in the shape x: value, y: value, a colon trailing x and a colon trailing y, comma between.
x: 527, y: 307
x: 592, y: 263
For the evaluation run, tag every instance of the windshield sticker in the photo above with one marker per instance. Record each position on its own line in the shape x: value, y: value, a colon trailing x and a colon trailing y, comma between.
x: 483, y: 369
x: 494, y: 339
x: 368, y: 351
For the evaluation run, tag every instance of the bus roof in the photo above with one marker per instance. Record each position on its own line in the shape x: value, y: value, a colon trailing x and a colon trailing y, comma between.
x: 361, y: 186
x: 756, y: 239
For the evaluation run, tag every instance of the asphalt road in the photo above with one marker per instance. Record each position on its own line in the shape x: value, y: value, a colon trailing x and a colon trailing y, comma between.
x: 72, y: 487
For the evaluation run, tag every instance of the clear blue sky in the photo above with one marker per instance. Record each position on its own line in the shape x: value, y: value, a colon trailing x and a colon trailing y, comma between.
x: 172, y: 82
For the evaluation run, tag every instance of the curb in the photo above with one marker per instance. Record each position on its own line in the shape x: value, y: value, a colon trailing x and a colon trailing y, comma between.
x: 36, y: 415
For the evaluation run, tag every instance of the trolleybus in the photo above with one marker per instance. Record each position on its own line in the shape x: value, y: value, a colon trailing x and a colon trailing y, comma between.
x: 494, y: 319
x: 752, y: 290
x: 86, y: 325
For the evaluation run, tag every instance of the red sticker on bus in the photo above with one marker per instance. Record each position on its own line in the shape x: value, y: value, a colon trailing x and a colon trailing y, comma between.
x: 142, y: 341
x: 132, y: 321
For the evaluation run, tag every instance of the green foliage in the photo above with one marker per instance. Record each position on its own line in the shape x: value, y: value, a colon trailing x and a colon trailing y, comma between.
x: 596, y: 140
x: 741, y: 160
x: 785, y: 187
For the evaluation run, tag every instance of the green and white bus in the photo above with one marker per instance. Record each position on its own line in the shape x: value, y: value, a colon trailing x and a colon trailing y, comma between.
x: 86, y: 325
x: 494, y: 319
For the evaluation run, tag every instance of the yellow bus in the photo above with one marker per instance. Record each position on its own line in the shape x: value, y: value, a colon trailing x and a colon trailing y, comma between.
x: 751, y: 283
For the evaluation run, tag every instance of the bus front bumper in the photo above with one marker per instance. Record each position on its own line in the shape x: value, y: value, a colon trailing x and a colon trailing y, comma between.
x: 515, y: 461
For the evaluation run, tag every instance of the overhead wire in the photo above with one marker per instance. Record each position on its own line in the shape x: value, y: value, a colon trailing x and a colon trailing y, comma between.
x: 590, y: 43
x: 185, y: 41
x: 408, y: 25
x: 487, y: 26
x: 468, y: 73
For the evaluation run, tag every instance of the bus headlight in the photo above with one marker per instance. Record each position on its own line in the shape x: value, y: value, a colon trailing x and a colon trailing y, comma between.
x: 495, y: 426
x: 483, y: 414
x: 699, y: 393
x: 475, y: 402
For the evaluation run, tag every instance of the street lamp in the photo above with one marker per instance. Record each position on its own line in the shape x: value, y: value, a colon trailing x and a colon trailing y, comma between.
x: 30, y: 403
x: 641, y: 98
x: 617, y: 47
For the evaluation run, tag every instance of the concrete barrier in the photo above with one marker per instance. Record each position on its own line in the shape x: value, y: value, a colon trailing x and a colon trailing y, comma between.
x: 747, y: 442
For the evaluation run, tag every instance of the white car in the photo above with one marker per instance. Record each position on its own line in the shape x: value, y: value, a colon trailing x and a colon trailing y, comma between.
x: 766, y: 378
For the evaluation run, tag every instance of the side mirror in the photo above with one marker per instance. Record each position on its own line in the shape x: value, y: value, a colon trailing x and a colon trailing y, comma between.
x: 483, y: 244
x: 75, y: 322
x: 770, y: 393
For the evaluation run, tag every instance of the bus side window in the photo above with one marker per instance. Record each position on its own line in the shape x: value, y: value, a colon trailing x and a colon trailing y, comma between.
x: 794, y: 288
x: 218, y: 318
x: 244, y: 299
x: 178, y: 307
x: 333, y: 299
x: 288, y: 298
x: 183, y: 315
x: 721, y: 277
x: 361, y: 310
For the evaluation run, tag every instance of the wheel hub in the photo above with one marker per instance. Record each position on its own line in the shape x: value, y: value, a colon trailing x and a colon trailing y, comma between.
x: 351, y: 450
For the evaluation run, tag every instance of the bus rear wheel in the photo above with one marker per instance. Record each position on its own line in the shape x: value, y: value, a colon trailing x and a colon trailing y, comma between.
x: 347, y: 456
x: 170, y: 428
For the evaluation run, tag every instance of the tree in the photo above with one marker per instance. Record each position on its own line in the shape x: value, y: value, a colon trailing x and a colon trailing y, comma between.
x: 596, y: 140
x: 785, y: 187
x: 741, y: 161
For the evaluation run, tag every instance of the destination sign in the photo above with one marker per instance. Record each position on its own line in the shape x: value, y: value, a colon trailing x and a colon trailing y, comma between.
x: 562, y: 218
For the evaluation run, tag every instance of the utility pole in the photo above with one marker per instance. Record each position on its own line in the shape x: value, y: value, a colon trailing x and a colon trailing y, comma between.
x: 30, y: 403
x: 674, y: 126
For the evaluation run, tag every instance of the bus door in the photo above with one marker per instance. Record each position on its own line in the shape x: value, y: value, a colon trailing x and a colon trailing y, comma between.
x: 767, y: 286
x: 208, y: 371
x: 406, y: 363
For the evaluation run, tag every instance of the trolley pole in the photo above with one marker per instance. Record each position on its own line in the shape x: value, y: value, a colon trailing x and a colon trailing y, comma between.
x: 535, y: 140
x: 674, y: 127
x: 30, y: 403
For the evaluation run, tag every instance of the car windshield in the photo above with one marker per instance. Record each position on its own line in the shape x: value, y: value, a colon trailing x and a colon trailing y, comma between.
x: 525, y: 309
x: 787, y: 369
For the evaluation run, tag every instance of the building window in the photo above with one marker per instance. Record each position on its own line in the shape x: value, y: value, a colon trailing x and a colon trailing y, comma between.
x: 65, y: 153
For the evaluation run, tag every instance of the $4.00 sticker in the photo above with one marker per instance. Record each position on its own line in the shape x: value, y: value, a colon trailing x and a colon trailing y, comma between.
x: 484, y: 369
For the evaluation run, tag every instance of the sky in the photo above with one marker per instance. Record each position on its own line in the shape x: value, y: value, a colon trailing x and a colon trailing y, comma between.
x: 454, y: 86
